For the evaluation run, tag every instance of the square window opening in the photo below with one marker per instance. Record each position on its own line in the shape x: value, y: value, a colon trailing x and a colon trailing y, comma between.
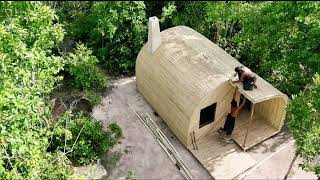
x: 207, y: 115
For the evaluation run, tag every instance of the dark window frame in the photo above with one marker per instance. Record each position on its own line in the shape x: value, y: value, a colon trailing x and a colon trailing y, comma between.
x: 207, y: 115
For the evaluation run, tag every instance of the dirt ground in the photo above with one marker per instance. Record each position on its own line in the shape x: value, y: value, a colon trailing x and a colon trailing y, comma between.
x: 141, y: 153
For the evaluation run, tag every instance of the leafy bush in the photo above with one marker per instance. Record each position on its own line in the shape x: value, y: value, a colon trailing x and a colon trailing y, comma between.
x: 303, y: 116
x: 82, y: 66
x: 154, y: 8
x: 82, y: 137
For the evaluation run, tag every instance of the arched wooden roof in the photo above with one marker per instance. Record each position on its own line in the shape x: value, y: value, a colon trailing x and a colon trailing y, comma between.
x: 196, y: 66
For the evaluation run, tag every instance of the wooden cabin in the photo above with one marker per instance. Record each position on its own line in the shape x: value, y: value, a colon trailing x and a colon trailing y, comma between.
x: 186, y: 79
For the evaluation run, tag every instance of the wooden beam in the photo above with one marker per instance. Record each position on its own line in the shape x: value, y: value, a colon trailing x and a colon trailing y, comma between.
x: 251, y: 115
x: 179, y: 163
x: 165, y: 144
x: 162, y: 135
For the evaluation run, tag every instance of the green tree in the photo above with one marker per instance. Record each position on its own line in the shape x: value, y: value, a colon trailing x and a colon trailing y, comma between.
x: 119, y: 34
x: 224, y: 19
x: 28, y: 32
x: 75, y: 17
x: 279, y: 41
x: 303, y: 116
x: 188, y: 13
x: 115, y: 31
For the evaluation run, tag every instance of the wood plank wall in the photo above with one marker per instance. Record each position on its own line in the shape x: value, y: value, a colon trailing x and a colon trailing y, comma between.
x: 272, y: 111
x: 223, y: 97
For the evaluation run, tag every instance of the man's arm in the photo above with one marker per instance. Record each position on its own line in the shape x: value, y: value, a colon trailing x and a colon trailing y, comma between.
x: 240, y: 79
x: 236, y: 81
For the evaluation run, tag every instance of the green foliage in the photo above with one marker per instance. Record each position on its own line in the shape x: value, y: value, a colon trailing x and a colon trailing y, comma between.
x: 119, y: 33
x: 279, y: 41
x: 168, y: 12
x: 116, y: 132
x: 93, y: 96
x: 82, y: 137
x: 115, y: 31
x: 189, y: 13
x: 28, y: 33
x: 75, y: 17
x: 223, y: 18
x: 303, y: 116
x: 28, y: 73
x: 155, y: 8
x: 82, y: 66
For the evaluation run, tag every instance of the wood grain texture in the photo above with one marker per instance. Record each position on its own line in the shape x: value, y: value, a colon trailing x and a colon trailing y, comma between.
x: 188, y: 72
x: 259, y: 129
x: 222, y: 160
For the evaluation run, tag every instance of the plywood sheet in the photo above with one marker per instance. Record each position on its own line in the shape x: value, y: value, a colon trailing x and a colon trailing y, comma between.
x: 222, y: 160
